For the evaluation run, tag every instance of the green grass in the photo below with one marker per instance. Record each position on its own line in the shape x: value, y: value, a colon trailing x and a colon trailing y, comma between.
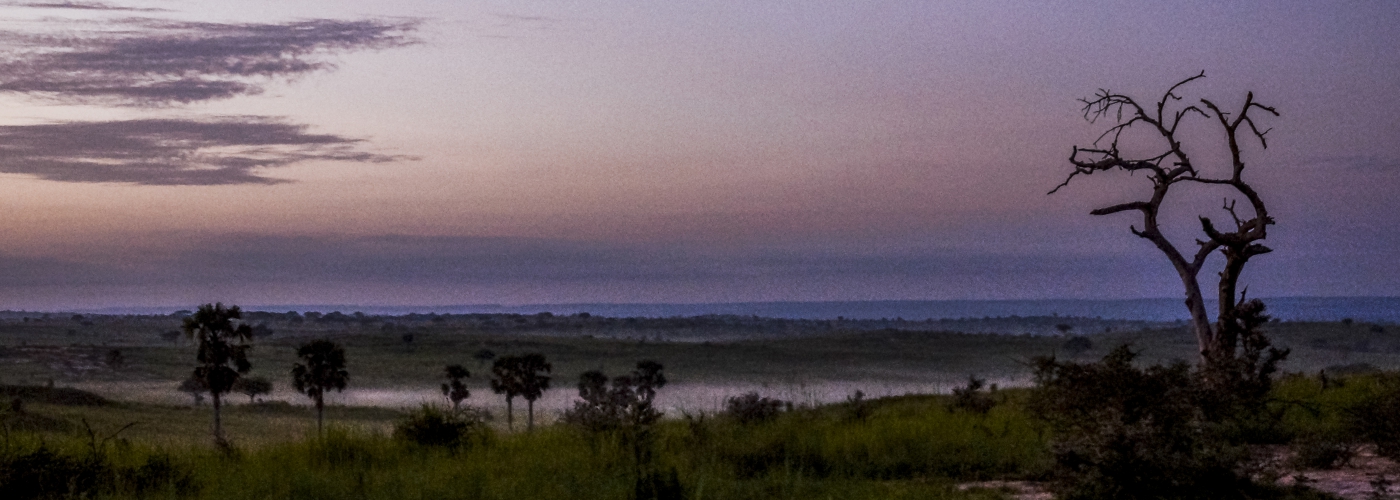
x: 909, y: 447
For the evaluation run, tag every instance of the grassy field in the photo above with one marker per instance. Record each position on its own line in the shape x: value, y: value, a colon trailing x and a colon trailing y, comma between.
x: 912, y: 446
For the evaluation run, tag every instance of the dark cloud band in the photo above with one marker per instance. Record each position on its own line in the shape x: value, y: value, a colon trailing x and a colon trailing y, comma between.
x: 81, y: 6
x: 150, y: 62
x: 226, y: 150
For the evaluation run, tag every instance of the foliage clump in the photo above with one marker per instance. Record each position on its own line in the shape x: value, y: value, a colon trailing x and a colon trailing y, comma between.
x: 971, y: 398
x: 629, y: 403
x: 1161, y: 431
x: 45, y: 471
x: 751, y: 408
x: 435, y: 427
x: 1376, y: 418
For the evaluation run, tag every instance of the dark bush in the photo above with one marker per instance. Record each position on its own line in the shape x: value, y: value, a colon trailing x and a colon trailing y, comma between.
x: 752, y: 408
x: 1078, y: 344
x: 971, y: 398
x: 431, y: 426
x: 43, y: 473
x: 1376, y: 418
x: 1157, y: 432
x: 659, y: 486
x: 161, y: 474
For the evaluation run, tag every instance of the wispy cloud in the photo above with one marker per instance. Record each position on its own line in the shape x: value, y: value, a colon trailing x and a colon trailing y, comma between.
x: 81, y: 6
x: 224, y: 150
x: 152, y: 62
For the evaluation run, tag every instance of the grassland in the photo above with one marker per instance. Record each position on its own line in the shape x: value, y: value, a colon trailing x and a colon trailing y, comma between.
x: 911, y: 446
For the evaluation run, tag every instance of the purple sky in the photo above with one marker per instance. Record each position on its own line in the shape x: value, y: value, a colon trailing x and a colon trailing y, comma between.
x: 169, y: 153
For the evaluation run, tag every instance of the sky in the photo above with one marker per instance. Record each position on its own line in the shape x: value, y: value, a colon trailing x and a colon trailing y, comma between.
x: 167, y: 153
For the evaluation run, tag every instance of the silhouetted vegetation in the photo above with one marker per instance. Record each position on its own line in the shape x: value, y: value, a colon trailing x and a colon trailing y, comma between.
x: 222, y: 354
x: 431, y: 426
x: 322, y: 368
x: 252, y: 387
x: 522, y: 376
x: 972, y: 398
x: 751, y: 408
x: 454, y: 390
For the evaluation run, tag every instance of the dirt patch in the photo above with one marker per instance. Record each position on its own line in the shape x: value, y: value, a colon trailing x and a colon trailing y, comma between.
x: 1367, y: 476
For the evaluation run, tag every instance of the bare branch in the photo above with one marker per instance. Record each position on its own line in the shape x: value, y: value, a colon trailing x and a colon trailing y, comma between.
x: 1123, y: 207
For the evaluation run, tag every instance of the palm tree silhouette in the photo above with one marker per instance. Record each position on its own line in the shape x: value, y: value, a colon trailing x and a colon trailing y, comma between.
x: 322, y: 369
x: 520, y: 376
x: 223, y: 352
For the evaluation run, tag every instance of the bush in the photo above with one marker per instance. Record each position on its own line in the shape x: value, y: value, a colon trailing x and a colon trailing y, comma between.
x: 47, y: 472
x: 971, y: 398
x: 1376, y: 418
x: 1125, y: 432
x: 44, y: 473
x: 751, y: 408
x: 431, y: 426
x: 1078, y: 344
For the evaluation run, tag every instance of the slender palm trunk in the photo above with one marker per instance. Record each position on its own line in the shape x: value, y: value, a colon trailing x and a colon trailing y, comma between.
x: 530, y: 415
x: 218, y: 427
x: 510, y: 415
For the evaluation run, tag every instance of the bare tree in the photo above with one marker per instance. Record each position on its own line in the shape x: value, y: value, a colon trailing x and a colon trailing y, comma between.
x: 1171, y: 165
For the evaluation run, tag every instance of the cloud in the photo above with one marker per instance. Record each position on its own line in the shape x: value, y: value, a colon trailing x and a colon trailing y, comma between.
x: 81, y: 6
x: 1362, y: 163
x: 152, y: 62
x: 224, y: 150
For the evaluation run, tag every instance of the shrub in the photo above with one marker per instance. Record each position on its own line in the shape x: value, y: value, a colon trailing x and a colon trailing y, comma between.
x: 1376, y: 418
x: 1078, y: 344
x: 1125, y: 432
x: 971, y: 398
x: 44, y: 473
x: 431, y: 426
x: 751, y: 408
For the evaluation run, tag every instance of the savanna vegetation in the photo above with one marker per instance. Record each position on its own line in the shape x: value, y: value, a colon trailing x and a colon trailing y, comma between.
x: 621, y: 444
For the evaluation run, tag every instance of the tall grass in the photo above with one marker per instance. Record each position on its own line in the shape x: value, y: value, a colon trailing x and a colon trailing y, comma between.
x: 902, y: 448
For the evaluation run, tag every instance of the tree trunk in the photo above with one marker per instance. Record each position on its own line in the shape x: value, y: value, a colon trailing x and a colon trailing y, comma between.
x: 1206, y: 340
x: 530, y: 415
x: 218, y: 427
x: 320, y: 414
x: 510, y: 415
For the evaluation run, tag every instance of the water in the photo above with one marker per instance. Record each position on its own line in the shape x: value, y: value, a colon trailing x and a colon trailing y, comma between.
x: 1366, y: 309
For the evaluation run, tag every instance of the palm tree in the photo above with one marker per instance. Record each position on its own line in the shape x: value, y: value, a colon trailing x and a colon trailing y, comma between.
x: 520, y: 376
x: 322, y: 368
x: 454, y: 389
x: 223, y: 351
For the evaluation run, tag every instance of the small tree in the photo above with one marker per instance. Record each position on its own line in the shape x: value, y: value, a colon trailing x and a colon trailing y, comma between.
x: 223, y: 351
x: 322, y: 369
x: 194, y: 388
x: 520, y: 376
x: 253, y: 387
x: 454, y: 389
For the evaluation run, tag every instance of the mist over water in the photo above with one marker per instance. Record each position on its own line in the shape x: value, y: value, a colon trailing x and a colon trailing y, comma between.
x: 1369, y: 309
